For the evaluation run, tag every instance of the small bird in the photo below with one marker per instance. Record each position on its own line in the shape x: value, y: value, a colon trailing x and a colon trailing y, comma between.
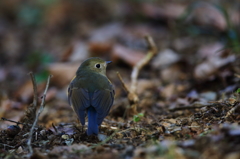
x: 91, y: 92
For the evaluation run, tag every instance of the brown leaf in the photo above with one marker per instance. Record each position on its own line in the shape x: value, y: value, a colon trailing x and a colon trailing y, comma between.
x: 168, y: 91
x: 212, y: 49
x: 144, y: 85
x: 67, y: 53
x: 165, y: 58
x: 107, y: 33
x: 205, y: 14
x: 77, y: 51
x: 215, y: 58
x: 99, y: 48
x: 209, y: 67
x: 164, y: 11
x: 62, y: 73
x: 80, y: 51
x: 129, y: 56
x: 25, y: 92
x: 173, y: 73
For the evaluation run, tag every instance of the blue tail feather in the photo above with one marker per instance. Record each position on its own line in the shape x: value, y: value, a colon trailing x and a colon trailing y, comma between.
x: 92, y: 122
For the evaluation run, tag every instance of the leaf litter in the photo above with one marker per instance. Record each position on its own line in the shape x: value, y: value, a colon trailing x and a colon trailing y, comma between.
x: 184, y: 103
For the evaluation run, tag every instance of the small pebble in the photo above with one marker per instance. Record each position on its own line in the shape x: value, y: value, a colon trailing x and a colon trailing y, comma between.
x: 102, y: 137
x: 65, y: 137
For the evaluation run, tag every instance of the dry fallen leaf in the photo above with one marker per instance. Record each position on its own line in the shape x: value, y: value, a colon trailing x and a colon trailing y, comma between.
x: 25, y: 92
x: 144, y: 85
x: 99, y: 48
x: 62, y: 73
x: 168, y: 91
x: 173, y: 73
x: 205, y: 14
x: 211, y: 65
x: 106, y: 33
x: 165, y: 58
x: 79, y: 52
x: 127, y: 55
x: 212, y: 49
x: 215, y: 58
x: 164, y: 11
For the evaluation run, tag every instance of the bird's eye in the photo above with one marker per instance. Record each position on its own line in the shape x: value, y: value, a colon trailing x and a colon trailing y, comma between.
x: 97, y: 65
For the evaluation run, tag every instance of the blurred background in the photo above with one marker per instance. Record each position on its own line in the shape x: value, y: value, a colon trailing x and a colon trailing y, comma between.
x: 198, y: 50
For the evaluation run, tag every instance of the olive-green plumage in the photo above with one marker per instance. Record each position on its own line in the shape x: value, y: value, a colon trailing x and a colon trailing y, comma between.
x: 91, y: 91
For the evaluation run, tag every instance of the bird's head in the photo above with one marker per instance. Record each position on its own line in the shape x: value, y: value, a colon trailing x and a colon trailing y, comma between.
x: 94, y: 64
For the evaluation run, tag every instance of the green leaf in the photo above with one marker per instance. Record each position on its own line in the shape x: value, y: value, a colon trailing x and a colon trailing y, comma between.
x: 136, y: 118
x: 141, y: 115
x: 238, y: 90
x: 42, y: 76
x: 38, y: 58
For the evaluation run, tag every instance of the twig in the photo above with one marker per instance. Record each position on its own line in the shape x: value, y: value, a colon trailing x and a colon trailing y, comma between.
x: 38, y: 114
x: 232, y: 110
x: 5, y: 145
x: 30, y: 113
x: 123, y: 84
x: 132, y: 92
x: 5, y: 119
x: 55, y: 129
x: 35, y: 94
x: 136, y: 69
x: 132, y: 96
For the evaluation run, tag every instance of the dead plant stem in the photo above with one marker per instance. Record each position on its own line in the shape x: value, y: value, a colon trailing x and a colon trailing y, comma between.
x: 39, y: 110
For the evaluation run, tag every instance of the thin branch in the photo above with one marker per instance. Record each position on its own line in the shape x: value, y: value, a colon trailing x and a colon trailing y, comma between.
x: 55, y: 129
x: 232, y: 111
x: 5, y: 119
x: 18, y: 123
x: 30, y: 113
x: 5, y: 145
x: 136, y: 69
x: 123, y: 84
x: 132, y: 96
x: 38, y: 114
x: 35, y: 96
x: 132, y: 92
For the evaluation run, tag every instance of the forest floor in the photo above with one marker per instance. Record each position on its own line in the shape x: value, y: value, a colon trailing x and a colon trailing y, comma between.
x: 179, y: 95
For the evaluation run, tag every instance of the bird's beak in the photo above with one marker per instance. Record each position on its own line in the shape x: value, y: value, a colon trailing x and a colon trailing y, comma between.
x: 108, y: 62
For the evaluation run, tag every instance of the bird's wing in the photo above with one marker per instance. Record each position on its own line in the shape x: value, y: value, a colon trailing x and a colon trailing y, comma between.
x: 102, y: 100
x: 79, y: 99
